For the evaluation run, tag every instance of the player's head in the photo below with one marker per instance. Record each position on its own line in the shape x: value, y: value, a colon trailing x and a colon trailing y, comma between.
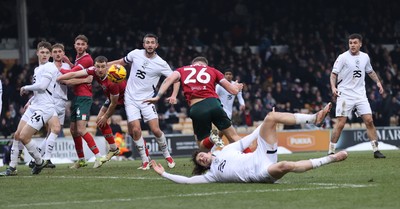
x: 228, y: 74
x: 43, y: 51
x: 150, y: 43
x: 355, y: 43
x: 200, y: 61
x: 201, y: 161
x: 57, y: 52
x: 100, y: 63
x: 81, y: 44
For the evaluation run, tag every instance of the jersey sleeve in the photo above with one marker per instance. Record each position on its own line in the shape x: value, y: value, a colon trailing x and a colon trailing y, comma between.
x: 113, y: 89
x: 86, y: 62
x: 128, y: 59
x: 240, y: 98
x: 338, y: 65
x: 218, y: 75
x: 218, y: 90
x: 91, y: 71
x: 368, y: 67
x: 200, y: 179
x: 166, y: 69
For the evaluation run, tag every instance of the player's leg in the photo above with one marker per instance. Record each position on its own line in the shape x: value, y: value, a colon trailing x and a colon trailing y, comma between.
x: 372, y: 135
x: 268, y: 127
x: 151, y: 117
x: 15, y: 147
x: 108, y: 135
x: 134, y: 116
x: 278, y: 170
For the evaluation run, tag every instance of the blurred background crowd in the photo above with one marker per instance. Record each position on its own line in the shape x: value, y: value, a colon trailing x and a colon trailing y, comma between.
x: 283, y: 51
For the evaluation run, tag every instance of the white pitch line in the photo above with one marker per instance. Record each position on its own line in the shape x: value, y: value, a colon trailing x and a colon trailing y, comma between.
x: 95, y: 177
x: 323, y: 187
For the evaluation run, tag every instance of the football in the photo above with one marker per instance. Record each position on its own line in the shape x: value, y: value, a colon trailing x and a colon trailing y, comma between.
x: 116, y: 73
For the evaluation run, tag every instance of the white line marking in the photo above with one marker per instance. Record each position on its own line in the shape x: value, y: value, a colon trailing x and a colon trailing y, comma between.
x: 324, y: 186
x: 95, y: 177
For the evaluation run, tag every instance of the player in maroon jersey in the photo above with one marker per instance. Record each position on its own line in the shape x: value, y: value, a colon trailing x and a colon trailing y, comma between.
x: 81, y: 104
x: 198, y: 82
x: 115, y: 99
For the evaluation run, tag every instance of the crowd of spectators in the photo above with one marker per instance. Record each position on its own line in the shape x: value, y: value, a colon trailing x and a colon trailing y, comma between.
x: 232, y: 34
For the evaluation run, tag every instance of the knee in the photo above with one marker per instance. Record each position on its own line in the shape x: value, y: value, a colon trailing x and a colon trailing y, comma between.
x: 369, y: 122
x: 285, y: 166
x: 271, y: 117
x: 56, y: 129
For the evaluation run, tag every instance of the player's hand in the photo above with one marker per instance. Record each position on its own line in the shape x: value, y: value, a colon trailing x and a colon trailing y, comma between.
x: 381, y: 90
x: 101, y: 121
x: 242, y: 107
x: 157, y: 167
x: 171, y: 100
x: 22, y: 91
x: 152, y: 100
x: 89, y: 79
x: 335, y: 92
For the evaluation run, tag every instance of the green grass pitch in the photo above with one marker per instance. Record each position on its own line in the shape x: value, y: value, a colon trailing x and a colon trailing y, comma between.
x: 360, y: 182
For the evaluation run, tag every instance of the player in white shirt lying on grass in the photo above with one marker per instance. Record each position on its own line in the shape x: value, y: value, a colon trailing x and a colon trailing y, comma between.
x: 231, y: 165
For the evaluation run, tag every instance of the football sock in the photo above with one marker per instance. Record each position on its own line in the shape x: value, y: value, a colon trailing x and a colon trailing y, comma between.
x: 332, y: 147
x: 91, y: 144
x: 79, y: 147
x: 50, y: 141
x: 207, y: 143
x: 108, y: 135
x: 321, y: 161
x: 33, y: 151
x: 374, y: 145
x: 14, y: 153
x: 141, y: 147
x: 162, y: 143
x: 304, y: 118
x: 42, y: 147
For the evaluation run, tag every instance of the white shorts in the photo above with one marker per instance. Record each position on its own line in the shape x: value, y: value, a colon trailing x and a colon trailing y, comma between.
x: 136, y: 109
x: 266, y: 151
x: 345, y: 106
x: 60, y: 110
x: 36, y: 118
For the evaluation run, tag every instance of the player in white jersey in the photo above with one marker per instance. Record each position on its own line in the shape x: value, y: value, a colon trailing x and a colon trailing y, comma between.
x: 228, y: 99
x: 348, y: 86
x: 146, y: 70
x: 231, y: 165
x: 39, y: 112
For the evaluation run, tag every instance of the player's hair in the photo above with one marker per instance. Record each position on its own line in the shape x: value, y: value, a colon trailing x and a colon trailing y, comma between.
x: 200, y: 59
x: 82, y: 37
x: 44, y: 44
x: 59, y: 46
x: 150, y: 35
x: 198, y: 169
x: 355, y: 36
x: 228, y: 70
x: 101, y: 59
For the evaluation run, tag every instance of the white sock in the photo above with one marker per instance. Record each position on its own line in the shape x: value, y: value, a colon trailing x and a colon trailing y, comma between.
x: 321, y: 161
x: 162, y: 143
x: 304, y: 118
x: 332, y: 147
x: 14, y: 153
x: 374, y: 144
x: 140, y: 146
x: 42, y: 147
x: 50, y: 145
x: 33, y: 151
